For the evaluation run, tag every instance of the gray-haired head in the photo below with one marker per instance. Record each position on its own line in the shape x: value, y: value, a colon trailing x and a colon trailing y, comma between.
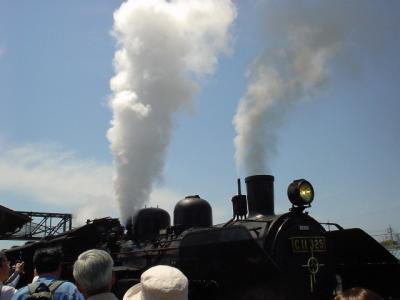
x: 93, y: 271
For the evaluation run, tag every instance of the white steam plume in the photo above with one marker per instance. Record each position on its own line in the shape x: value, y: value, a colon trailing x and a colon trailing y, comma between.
x: 270, y: 91
x: 308, y: 36
x: 162, y: 45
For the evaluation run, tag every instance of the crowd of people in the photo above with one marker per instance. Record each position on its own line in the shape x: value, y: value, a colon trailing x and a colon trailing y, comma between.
x: 93, y: 274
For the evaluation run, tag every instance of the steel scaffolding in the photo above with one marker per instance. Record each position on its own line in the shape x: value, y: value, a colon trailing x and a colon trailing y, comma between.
x: 42, y: 225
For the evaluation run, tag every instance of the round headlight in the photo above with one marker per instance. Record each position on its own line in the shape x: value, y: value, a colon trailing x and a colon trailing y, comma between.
x: 301, y: 192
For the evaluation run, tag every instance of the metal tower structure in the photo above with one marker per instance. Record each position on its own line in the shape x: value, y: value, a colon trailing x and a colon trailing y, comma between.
x: 40, y: 225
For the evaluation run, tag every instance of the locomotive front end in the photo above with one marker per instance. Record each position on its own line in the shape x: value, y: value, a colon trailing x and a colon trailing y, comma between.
x: 295, y: 241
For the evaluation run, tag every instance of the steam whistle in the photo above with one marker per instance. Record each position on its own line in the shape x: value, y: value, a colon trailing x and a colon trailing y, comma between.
x: 239, y: 203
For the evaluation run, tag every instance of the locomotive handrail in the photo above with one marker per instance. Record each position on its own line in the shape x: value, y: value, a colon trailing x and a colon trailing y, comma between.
x: 135, y: 251
x: 333, y: 224
x: 256, y: 230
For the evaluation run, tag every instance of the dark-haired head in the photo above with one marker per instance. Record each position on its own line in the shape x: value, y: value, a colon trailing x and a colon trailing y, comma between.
x: 3, y: 258
x: 47, y: 260
x: 358, y: 294
x: 4, y: 267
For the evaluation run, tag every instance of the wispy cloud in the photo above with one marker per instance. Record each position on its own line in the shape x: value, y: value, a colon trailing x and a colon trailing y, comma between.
x: 58, y: 177
x: 55, y: 176
x: 2, y: 51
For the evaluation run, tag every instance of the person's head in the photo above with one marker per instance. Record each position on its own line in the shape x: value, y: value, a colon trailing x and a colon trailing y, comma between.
x: 4, y: 267
x: 47, y: 261
x: 93, y: 272
x: 358, y: 294
x: 160, y: 283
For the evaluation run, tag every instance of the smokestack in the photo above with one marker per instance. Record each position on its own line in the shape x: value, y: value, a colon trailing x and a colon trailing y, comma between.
x: 260, y: 195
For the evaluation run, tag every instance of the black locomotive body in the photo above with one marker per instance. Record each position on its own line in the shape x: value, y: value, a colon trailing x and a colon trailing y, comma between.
x: 255, y: 255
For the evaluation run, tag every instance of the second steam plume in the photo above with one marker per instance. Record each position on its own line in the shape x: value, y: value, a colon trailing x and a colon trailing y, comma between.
x: 303, y: 39
x: 162, y: 47
x: 277, y: 78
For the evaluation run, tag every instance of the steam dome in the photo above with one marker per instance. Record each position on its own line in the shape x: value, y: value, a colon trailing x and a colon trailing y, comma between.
x: 193, y: 211
x: 148, y: 222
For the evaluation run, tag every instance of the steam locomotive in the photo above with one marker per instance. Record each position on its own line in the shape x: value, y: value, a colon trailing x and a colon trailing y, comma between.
x: 254, y: 255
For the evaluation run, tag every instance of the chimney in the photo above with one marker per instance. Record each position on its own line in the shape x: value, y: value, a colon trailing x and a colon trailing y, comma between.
x: 260, y: 195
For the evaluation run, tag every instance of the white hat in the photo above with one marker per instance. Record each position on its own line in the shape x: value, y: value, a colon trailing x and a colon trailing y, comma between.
x: 160, y: 283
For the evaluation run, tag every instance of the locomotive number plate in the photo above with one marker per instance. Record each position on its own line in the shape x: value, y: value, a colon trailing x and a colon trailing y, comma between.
x: 308, y: 244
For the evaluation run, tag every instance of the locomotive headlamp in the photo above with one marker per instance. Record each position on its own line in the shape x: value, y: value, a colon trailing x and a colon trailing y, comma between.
x: 301, y: 192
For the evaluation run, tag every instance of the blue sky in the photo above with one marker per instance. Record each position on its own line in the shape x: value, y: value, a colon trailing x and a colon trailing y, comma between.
x: 56, y: 62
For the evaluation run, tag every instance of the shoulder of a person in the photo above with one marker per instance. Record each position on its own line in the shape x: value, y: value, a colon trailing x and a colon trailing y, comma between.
x: 6, y: 293
x: 21, y: 291
x: 6, y: 288
x: 20, y: 294
x: 66, y: 285
x: 68, y: 291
